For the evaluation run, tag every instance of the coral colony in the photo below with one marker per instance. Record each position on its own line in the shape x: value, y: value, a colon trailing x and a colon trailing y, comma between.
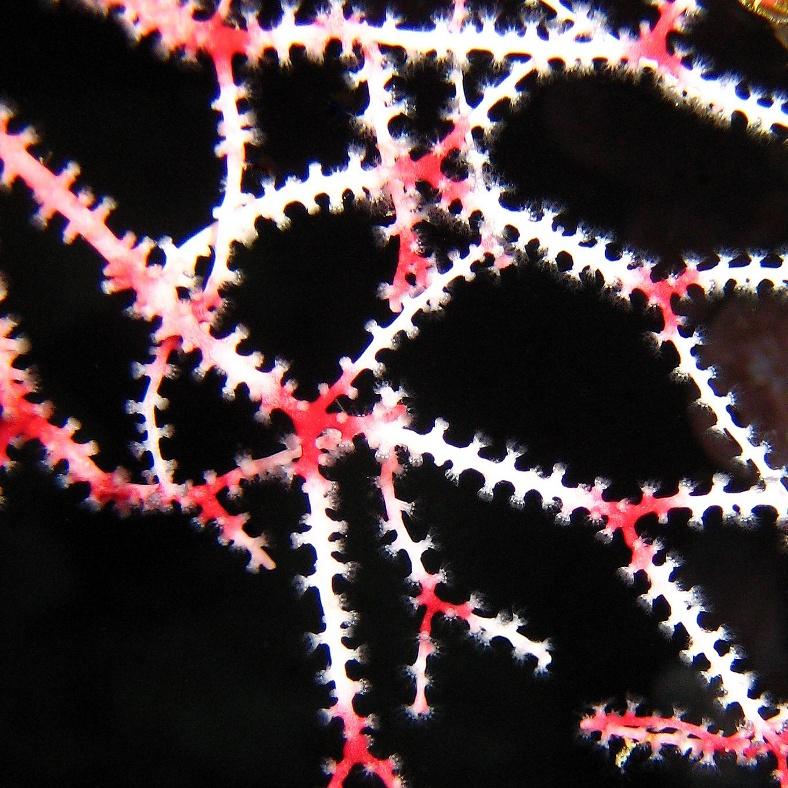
x: 438, y: 203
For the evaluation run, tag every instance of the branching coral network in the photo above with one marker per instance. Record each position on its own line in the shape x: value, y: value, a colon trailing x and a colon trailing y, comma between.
x: 442, y: 209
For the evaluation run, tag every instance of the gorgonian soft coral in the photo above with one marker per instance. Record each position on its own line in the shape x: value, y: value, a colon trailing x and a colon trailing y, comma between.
x: 401, y: 158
